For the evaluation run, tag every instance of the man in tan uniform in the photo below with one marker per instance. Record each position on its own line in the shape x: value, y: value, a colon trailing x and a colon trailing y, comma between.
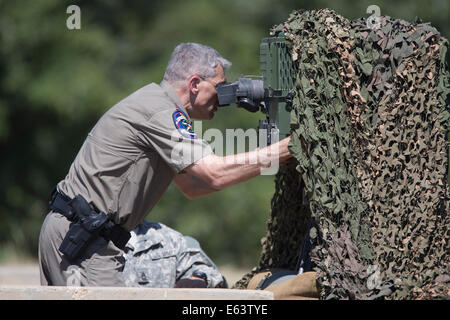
x: 130, y: 157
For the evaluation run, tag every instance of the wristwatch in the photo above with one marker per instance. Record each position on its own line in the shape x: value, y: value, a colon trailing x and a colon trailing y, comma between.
x: 200, y: 274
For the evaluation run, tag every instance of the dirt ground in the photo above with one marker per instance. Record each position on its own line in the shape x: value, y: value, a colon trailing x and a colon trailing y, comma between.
x: 28, y: 274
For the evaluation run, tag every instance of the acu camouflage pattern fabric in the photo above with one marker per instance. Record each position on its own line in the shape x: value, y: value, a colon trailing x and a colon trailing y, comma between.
x: 369, y: 131
x: 157, y: 256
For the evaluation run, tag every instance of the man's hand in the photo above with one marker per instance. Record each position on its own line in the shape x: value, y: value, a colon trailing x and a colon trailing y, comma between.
x: 191, y: 282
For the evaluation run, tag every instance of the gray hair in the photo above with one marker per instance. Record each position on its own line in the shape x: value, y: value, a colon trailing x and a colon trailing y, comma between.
x: 190, y: 59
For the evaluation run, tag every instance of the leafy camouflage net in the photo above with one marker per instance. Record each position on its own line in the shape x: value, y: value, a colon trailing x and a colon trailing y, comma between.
x: 369, y: 133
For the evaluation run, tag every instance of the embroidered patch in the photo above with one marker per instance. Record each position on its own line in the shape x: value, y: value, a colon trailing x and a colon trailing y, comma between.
x: 183, y: 125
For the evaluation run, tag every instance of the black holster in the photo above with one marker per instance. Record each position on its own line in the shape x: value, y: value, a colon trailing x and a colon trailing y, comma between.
x: 83, y: 230
x: 87, y: 224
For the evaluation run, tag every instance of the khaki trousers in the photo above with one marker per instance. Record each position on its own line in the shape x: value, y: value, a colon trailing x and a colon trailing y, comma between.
x: 100, y: 265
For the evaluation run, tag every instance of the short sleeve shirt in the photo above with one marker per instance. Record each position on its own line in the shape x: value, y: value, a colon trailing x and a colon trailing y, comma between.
x: 133, y: 153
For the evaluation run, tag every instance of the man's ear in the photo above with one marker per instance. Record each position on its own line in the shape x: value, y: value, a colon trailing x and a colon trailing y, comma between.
x: 193, y: 83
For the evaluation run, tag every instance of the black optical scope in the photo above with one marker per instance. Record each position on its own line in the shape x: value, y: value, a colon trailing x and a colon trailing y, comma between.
x: 245, y: 92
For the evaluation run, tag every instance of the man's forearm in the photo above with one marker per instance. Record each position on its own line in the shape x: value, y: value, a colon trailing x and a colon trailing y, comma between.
x: 221, y: 172
x: 213, y: 173
x: 191, y: 186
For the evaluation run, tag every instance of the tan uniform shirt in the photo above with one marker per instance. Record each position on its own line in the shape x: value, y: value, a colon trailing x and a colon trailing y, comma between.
x: 133, y: 153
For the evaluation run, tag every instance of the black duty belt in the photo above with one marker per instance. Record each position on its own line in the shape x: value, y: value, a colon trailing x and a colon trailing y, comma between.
x: 110, y: 231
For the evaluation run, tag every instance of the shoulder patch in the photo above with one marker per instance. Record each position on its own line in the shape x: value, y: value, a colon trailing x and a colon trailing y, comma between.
x: 183, y: 125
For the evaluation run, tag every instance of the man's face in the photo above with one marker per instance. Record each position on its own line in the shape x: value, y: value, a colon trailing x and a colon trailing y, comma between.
x: 205, y: 102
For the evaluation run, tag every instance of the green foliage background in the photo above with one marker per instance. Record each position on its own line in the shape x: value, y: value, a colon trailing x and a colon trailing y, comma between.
x: 55, y: 83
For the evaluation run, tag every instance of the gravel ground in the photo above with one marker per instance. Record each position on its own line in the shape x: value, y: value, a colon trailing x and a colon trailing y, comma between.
x: 28, y: 274
x: 23, y: 274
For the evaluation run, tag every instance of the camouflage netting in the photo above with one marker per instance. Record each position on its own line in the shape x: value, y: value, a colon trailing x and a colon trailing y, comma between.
x: 369, y: 134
